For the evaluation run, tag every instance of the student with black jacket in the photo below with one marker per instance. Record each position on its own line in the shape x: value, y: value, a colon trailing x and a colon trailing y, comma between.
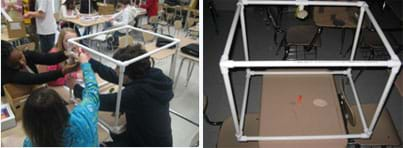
x: 18, y: 67
x: 145, y: 100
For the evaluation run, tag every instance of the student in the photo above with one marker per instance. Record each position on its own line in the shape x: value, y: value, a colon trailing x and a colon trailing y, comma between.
x: 145, y: 100
x: 151, y: 6
x: 126, y: 16
x: 68, y: 11
x: 62, y: 45
x: 46, y: 26
x: 47, y: 122
x: 19, y: 67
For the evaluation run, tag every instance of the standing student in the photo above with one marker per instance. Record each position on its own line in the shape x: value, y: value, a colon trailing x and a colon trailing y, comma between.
x: 151, y: 6
x: 68, y: 10
x: 47, y: 122
x: 46, y: 26
x: 126, y: 16
x: 62, y: 45
x: 145, y: 100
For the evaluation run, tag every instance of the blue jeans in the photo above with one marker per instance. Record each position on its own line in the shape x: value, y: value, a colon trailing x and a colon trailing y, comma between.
x: 47, y: 42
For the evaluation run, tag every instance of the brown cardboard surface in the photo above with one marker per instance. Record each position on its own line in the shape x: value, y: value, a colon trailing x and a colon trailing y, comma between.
x: 399, y: 82
x: 385, y: 132
x: 284, y: 114
x: 227, y: 137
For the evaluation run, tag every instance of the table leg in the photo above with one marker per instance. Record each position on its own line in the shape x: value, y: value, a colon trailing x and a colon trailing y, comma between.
x: 343, y: 35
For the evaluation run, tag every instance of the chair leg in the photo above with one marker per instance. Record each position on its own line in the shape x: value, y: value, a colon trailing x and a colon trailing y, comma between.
x: 286, y: 52
x: 179, y: 72
x: 282, y: 43
x: 190, y: 73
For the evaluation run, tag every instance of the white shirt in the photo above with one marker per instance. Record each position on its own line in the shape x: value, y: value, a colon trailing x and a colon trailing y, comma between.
x: 124, y: 17
x: 68, y: 13
x: 45, y: 25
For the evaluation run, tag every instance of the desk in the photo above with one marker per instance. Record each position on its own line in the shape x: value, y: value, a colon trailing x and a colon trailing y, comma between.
x: 4, y: 36
x: 336, y: 17
x: 169, y: 52
x: 86, y: 23
x: 318, y: 112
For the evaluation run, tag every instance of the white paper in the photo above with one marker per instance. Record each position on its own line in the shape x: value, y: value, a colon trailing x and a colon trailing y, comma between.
x: 15, y: 26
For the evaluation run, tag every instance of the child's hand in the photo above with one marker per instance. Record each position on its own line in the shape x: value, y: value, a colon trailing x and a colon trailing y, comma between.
x: 83, y: 56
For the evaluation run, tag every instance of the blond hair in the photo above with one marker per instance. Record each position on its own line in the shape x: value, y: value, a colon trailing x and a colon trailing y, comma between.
x: 63, y: 32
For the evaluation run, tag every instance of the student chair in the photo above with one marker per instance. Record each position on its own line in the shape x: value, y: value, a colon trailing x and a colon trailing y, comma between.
x: 307, y: 36
x: 192, y: 59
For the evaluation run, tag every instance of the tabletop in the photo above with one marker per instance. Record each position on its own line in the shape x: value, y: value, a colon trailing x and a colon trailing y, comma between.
x: 336, y: 17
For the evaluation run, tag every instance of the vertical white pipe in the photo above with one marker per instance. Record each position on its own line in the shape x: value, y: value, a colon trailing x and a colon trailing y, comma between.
x: 383, y: 99
x: 357, y: 100
x: 245, y: 102
x: 231, y: 99
x: 118, y: 101
x: 357, y: 33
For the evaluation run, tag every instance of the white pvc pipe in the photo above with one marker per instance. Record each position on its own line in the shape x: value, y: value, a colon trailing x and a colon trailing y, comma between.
x: 383, y: 99
x: 297, y: 72
x: 231, y: 101
x: 309, y: 63
x: 120, y: 88
x: 315, y: 137
x: 244, y: 36
x: 358, y: 103
x: 231, y: 34
x: 305, y: 3
x: 357, y: 33
x: 245, y: 102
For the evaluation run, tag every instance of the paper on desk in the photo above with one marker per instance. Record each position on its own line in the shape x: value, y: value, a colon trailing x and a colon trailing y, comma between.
x: 15, y: 26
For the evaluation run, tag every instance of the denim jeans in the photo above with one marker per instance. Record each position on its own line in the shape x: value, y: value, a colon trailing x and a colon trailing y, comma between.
x: 47, y: 42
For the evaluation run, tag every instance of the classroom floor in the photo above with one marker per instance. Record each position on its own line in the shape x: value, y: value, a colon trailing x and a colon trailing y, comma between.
x: 260, y: 38
x: 184, y: 102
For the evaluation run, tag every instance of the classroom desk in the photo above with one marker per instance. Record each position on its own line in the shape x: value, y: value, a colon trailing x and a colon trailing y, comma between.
x: 4, y: 36
x: 99, y: 19
x: 347, y: 18
x: 169, y: 52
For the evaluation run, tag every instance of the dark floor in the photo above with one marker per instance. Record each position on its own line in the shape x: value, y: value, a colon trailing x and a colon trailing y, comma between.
x: 261, y: 46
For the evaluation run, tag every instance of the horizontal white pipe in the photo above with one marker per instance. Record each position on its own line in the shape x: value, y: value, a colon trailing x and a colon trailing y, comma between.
x: 128, y: 62
x: 305, y: 3
x: 120, y: 63
x: 382, y: 36
x: 309, y: 63
x: 296, y: 72
x: 315, y: 137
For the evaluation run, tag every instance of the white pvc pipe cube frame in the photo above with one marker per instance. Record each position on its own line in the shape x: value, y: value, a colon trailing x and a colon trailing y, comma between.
x: 225, y: 64
x: 122, y: 65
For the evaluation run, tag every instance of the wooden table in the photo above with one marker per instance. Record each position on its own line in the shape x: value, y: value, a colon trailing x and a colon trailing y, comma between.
x: 4, y: 36
x: 336, y: 17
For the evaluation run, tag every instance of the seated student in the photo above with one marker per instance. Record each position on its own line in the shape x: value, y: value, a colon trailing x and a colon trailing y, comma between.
x: 145, y: 100
x: 69, y: 11
x: 19, y: 67
x: 62, y: 45
x: 151, y: 6
x: 47, y: 122
x: 126, y: 16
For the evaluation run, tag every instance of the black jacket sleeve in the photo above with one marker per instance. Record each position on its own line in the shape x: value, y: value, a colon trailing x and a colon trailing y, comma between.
x: 104, y: 72
x: 29, y: 78
x: 45, y: 58
x: 107, y: 101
